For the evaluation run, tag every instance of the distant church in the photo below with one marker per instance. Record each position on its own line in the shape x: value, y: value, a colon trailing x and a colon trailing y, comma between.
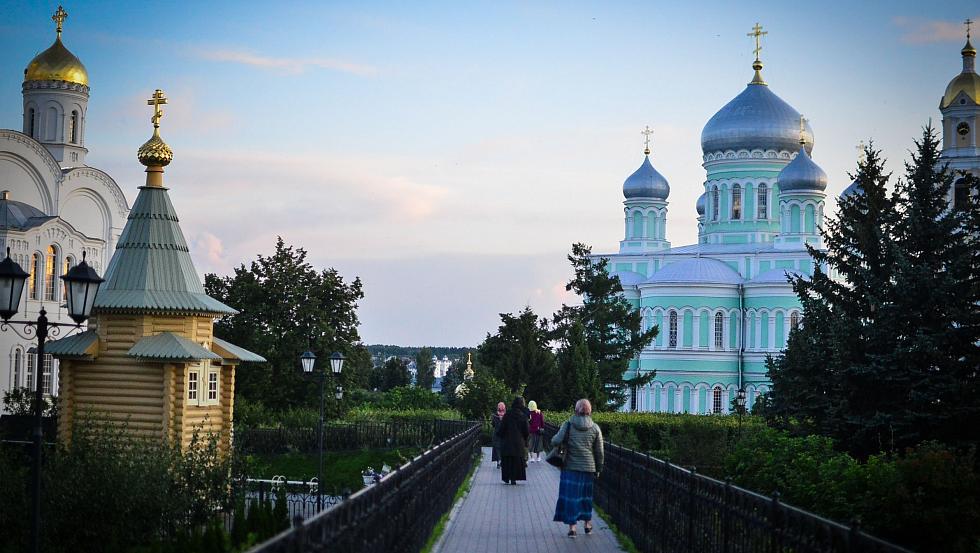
x: 53, y: 207
x: 724, y: 304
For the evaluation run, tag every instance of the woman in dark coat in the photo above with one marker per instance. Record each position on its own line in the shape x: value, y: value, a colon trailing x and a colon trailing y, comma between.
x: 495, y: 421
x: 513, y: 433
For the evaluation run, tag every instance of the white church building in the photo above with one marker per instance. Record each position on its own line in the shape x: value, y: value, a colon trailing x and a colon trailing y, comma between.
x: 53, y: 207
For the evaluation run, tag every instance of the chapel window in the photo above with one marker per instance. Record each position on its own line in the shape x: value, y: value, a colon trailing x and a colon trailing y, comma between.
x: 716, y: 400
x: 672, y: 334
x: 49, y: 276
x: 192, y: 385
x: 46, y: 374
x: 32, y: 278
x: 73, y: 128
x: 719, y: 330
x: 29, y: 382
x: 32, y: 123
x: 18, y: 367
x: 763, y: 202
x: 737, y: 202
x: 714, y: 204
x: 212, y: 387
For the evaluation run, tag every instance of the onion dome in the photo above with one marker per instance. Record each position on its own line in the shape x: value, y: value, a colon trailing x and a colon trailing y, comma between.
x: 155, y: 152
x: 646, y: 182
x: 698, y: 270
x: 967, y: 82
x: 756, y: 119
x: 852, y: 189
x: 802, y: 175
x: 57, y: 63
x: 702, y: 203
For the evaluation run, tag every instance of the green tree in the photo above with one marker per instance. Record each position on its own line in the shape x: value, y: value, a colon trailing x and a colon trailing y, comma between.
x: 424, y: 369
x: 453, y: 378
x: 479, y: 396
x: 520, y: 355
x: 285, y: 306
x: 612, y: 325
x: 578, y: 374
x: 392, y: 374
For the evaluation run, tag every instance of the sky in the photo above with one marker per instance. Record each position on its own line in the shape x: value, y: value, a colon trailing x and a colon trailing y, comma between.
x: 449, y: 153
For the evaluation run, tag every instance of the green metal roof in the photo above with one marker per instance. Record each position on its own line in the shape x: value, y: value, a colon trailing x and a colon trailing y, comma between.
x: 236, y: 352
x: 151, y: 269
x: 168, y: 346
x: 76, y: 346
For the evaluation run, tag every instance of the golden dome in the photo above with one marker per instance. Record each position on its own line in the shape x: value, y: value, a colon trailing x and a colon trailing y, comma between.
x: 56, y: 64
x: 964, y: 82
x: 155, y: 152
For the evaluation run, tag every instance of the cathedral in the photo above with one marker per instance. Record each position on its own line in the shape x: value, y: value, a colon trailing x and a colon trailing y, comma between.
x: 53, y: 207
x: 724, y: 304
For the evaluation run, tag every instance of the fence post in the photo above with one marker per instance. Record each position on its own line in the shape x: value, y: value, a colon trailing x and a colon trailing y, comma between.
x: 854, y: 535
x: 726, y: 517
x: 692, y: 481
x: 261, y: 493
x: 774, y: 522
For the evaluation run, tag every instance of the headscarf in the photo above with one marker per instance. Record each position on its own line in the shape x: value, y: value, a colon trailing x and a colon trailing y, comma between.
x: 501, y: 409
x: 532, y: 405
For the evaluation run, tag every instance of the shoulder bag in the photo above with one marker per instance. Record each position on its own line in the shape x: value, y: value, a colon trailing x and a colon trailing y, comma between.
x: 556, y: 457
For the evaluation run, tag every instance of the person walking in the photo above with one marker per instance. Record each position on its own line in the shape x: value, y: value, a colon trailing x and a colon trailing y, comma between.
x: 536, y: 429
x: 494, y: 440
x: 583, y: 462
x: 513, y: 433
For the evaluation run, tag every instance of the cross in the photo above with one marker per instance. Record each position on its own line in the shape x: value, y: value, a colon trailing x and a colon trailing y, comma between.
x: 860, y: 149
x: 156, y: 101
x: 757, y: 32
x: 968, y: 22
x: 59, y: 18
x: 646, y: 133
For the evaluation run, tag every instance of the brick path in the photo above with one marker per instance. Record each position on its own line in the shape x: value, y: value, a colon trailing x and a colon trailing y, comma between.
x: 495, y: 518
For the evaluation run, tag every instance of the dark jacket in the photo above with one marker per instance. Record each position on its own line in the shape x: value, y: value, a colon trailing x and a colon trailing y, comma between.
x: 585, y: 451
x: 513, y: 433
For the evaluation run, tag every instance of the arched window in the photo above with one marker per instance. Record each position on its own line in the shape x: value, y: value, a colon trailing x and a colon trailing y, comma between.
x: 672, y: 334
x: 32, y: 123
x: 32, y: 277
x: 719, y: 330
x: 73, y: 128
x: 29, y: 381
x: 714, y: 203
x: 961, y: 194
x: 716, y: 400
x: 18, y: 368
x: 794, y: 320
x: 736, y: 202
x: 69, y: 263
x: 638, y: 223
x: 49, y: 273
x: 763, y: 201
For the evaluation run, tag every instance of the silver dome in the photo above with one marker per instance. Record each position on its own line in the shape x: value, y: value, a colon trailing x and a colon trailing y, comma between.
x: 802, y: 175
x: 756, y: 119
x: 704, y: 270
x: 646, y: 182
x: 854, y: 188
x: 702, y: 203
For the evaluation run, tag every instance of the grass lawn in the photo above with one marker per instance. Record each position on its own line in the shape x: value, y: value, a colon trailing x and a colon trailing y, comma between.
x: 340, y: 470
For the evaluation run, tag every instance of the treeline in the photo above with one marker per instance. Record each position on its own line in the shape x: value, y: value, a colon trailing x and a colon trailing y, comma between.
x: 384, y: 350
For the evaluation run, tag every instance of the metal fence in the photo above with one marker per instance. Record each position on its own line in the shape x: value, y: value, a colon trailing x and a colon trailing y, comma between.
x: 395, y: 515
x: 665, y: 508
x: 300, y: 498
x: 347, y: 436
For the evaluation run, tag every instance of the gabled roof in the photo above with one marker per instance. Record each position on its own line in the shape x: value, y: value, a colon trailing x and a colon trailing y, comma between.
x: 151, y: 269
x: 227, y: 350
x: 77, y: 346
x: 168, y: 346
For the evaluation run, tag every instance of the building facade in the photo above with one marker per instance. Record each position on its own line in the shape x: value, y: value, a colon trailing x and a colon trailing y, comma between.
x: 53, y: 207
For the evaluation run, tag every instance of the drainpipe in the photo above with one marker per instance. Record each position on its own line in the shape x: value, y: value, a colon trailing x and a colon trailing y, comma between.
x: 741, y: 331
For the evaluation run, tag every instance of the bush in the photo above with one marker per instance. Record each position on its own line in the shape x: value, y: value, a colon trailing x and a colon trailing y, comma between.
x: 402, y: 397
x: 407, y: 415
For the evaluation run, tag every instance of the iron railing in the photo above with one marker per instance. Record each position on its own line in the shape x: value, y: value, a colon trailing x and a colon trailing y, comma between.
x: 393, y: 516
x: 665, y: 508
x: 347, y: 436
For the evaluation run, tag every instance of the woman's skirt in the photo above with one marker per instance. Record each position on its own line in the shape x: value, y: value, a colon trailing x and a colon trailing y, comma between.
x: 574, y: 497
x: 512, y: 468
x: 537, y: 443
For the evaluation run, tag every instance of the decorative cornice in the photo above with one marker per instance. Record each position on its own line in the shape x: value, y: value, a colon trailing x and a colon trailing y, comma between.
x: 746, y: 154
x: 55, y: 85
x: 105, y: 179
x: 39, y: 149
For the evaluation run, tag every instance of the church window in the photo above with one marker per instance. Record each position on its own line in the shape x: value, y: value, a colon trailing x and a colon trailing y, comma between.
x: 794, y: 320
x: 46, y: 375
x: 763, y: 202
x: 31, y: 357
x: 638, y: 224
x: 49, y: 276
x: 719, y: 330
x: 716, y: 400
x: 69, y: 263
x: 961, y: 194
x: 32, y: 278
x: 672, y: 334
x: 736, y: 202
x: 18, y: 364
x: 73, y: 128
x: 32, y: 123
x: 192, y: 385
x: 714, y: 204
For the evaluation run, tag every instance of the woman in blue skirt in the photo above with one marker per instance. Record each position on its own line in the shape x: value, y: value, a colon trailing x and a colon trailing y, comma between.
x: 583, y: 463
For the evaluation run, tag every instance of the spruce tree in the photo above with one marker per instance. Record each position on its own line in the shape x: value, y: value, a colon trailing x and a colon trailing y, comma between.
x: 578, y: 375
x: 424, y: 369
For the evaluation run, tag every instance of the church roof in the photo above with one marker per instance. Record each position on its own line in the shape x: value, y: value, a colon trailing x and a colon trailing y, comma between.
x: 646, y: 182
x: 151, y: 269
x: 699, y: 270
x: 756, y: 119
x: 18, y: 215
x: 167, y: 346
x: 56, y: 63
x: 628, y: 278
x: 775, y: 276
x: 227, y: 350
x: 77, y: 346
x: 802, y: 175
x: 967, y: 82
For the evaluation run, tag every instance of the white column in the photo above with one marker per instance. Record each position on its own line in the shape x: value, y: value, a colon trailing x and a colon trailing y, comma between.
x: 695, y: 343
x: 772, y: 331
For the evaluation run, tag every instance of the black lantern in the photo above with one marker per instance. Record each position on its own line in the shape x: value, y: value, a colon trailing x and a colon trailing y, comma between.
x: 12, y: 279
x: 337, y: 362
x: 740, y: 400
x: 307, y: 360
x: 83, y: 284
x: 339, y: 393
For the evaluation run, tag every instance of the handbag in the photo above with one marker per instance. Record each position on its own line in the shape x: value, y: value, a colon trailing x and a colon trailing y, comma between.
x: 556, y: 457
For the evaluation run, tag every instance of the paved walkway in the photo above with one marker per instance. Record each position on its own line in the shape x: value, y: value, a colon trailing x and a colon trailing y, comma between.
x: 496, y: 518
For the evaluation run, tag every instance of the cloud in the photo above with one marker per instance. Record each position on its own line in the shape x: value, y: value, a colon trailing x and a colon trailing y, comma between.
x: 291, y: 66
x: 208, y: 248
x: 919, y: 30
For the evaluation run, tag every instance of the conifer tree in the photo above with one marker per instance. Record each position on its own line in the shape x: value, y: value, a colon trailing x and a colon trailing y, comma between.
x: 424, y: 369
x: 578, y: 375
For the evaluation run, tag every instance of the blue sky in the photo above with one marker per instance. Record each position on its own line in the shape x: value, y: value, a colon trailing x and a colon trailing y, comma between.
x: 450, y: 153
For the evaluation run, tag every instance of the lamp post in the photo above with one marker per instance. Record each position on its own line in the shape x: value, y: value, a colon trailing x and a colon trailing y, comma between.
x: 82, y: 285
x: 740, y: 407
x: 308, y: 361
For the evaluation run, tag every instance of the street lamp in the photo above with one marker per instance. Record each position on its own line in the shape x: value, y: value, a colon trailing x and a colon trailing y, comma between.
x: 307, y: 360
x: 740, y: 407
x: 82, y: 283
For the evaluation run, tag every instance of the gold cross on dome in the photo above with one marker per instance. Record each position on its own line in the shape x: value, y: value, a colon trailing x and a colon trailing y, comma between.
x: 59, y: 17
x: 646, y: 133
x: 156, y: 101
x: 968, y: 22
x: 757, y: 32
